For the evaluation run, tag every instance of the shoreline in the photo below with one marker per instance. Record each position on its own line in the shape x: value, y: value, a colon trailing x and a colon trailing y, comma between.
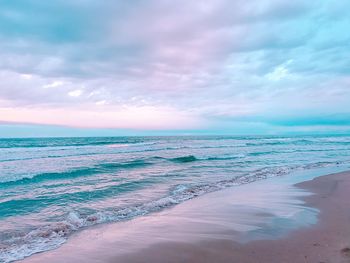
x: 200, y: 230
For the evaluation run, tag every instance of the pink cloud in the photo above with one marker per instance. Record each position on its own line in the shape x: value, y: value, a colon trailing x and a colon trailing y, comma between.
x: 98, y: 116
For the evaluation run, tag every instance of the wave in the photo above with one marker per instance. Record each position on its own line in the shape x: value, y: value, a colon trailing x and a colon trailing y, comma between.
x: 192, y: 158
x: 50, y: 157
x: 132, y: 164
x: 184, y: 159
x: 108, y: 167
x: 71, y: 142
x: 17, y: 207
x: 38, y: 178
x: 270, y: 152
x: 62, y: 155
x: 291, y: 141
x: 228, y: 157
x: 75, y: 173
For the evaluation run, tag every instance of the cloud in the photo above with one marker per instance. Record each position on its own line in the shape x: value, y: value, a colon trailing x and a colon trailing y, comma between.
x: 54, y: 84
x: 75, y: 93
x: 195, y: 60
x: 279, y: 72
x: 125, y: 117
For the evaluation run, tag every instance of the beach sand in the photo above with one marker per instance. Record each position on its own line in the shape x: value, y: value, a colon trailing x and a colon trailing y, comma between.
x: 267, y: 221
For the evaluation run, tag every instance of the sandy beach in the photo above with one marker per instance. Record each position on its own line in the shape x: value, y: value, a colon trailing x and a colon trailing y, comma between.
x: 268, y: 221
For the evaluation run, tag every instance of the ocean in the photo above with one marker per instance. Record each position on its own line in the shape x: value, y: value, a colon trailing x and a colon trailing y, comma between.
x: 52, y: 187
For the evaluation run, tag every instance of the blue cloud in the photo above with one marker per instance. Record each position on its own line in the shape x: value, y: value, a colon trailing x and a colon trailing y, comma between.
x: 263, y: 61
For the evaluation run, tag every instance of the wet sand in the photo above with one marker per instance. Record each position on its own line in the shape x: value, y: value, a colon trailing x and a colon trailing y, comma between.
x: 268, y: 221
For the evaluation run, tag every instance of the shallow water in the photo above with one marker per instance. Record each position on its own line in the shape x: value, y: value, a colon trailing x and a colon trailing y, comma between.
x: 51, y: 187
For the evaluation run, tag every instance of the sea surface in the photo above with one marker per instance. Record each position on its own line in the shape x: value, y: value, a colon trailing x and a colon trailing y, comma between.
x: 52, y: 187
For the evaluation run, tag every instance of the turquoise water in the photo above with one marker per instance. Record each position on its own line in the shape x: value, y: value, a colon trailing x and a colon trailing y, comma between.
x: 51, y: 187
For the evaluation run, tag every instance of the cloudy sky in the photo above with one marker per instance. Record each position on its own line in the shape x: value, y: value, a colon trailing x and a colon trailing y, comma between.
x: 113, y: 67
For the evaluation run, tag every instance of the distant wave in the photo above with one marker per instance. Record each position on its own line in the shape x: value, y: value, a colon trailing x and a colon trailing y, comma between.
x: 132, y: 164
x: 137, y: 163
x: 225, y: 157
x: 74, y: 173
x: 43, y: 143
x: 267, y: 153
x: 291, y: 141
x: 38, y: 178
x: 108, y: 167
x: 192, y: 158
x: 184, y: 159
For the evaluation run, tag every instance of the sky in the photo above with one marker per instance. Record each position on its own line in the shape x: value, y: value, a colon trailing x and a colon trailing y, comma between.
x: 153, y: 67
